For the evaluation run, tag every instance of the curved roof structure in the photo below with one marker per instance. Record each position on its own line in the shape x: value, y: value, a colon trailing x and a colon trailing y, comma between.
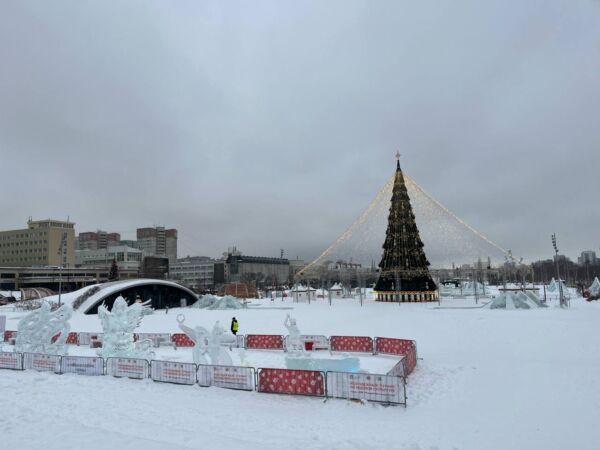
x: 163, y: 294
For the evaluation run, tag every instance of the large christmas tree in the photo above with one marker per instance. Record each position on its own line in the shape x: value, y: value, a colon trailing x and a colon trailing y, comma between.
x: 404, y: 274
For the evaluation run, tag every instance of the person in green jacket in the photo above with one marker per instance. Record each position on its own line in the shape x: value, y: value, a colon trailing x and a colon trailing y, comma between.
x: 234, y: 326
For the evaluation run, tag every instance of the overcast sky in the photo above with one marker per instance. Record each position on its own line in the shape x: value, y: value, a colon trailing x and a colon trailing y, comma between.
x: 272, y: 125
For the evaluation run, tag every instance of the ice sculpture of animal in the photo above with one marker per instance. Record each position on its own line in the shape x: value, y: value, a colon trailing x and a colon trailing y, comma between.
x: 37, y: 329
x: 118, y: 325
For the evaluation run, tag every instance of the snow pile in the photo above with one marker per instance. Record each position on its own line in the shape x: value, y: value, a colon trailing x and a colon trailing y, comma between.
x: 516, y: 300
x: 214, y: 302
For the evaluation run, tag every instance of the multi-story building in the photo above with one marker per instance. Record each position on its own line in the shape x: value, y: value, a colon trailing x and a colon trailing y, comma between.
x: 43, y: 243
x: 126, y: 257
x: 257, y: 269
x: 94, y: 240
x: 587, y: 257
x: 194, y: 271
x: 158, y: 241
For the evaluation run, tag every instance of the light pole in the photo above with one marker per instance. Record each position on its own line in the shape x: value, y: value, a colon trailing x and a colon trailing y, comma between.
x: 61, y: 251
x: 560, y: 290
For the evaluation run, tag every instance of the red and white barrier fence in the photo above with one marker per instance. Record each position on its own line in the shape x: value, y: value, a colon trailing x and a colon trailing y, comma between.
x: 86, y: 338
x: 366, y: 386
x: 158, y: 339
x: 399, y: 369
x: 230, y: 377
x: 389, y: 388
x: 264, y: 341
x: 82, y: 365
x: 297, y: 382
x: 312, y: 341
x: 128, y: 368
x: 10, y: 360
x: 404, y: 347
x: 173, y: 372
x: 181, y: 340
x: 41, y: 362
x: 362, y: 344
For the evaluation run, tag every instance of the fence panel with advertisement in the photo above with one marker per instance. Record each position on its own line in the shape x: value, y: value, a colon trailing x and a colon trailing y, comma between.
x: 404, y: 347
x: 82, y: 365
x: 41, y: 362
x: 230, y: 377
x: 11, y: 360
x: 351, y: 344
x: 264, y: 341
x: 316, y: 341
x: 158, y: 339
x: 181, y: 340
x: 173, y: 372
x: 85, y: 338
x: 366, y: 386
x: 297, y: 382
x: 127, y: 368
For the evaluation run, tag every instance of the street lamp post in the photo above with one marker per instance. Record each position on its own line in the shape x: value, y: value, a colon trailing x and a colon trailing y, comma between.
x: 61, y: 252
x: 560, y: 290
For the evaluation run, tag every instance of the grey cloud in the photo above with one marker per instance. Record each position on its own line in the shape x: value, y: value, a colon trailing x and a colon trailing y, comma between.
x: 273, y: 124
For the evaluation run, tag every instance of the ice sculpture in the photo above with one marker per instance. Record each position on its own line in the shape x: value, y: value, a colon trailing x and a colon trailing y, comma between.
x: 118, y: 325
x: 594, y: 289
x: 294, y: 344
x: 298, y: 358
x: 218, y: 355
x: 37, y: 329
x: 208, y: 344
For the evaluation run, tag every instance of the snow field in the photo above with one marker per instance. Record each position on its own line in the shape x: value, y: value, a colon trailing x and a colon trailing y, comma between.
x: 489, y: 379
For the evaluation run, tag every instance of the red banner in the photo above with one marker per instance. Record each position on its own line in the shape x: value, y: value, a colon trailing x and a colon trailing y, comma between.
x: 404, y: 347
x: 351, y: 344
x: 181, y: 340
x: 71, y: 338
x: 264, y: 341
x: 298, y: 382
x: 8, y: 335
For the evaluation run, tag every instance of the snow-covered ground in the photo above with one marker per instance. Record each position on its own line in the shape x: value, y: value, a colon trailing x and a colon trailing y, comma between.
x: 488, y: 379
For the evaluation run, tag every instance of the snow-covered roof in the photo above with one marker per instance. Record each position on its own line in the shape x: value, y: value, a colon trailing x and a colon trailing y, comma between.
x: 336, y: 287
x: 106, y: 289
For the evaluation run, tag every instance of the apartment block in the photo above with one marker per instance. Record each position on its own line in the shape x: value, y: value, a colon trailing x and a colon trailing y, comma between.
x: 39, y: 244
x: 158, y: 241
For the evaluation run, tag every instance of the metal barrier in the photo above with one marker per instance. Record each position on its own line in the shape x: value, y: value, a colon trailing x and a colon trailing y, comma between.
x: 399, y: 370
x: 128, y: 368
x: 11, y: 360
x: 82, y: 365
x: 406, y: 347
x: 296, y: 382
x: 365, y: 386
x: 264, y: 341
x: 85, y: 338
x: 312, y: 341
x: 41, y: 362
x: 229, y: 377
x: 173, y: 372
x: 181, y: 340
x: 158, y: 339
x: 363, y: 344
